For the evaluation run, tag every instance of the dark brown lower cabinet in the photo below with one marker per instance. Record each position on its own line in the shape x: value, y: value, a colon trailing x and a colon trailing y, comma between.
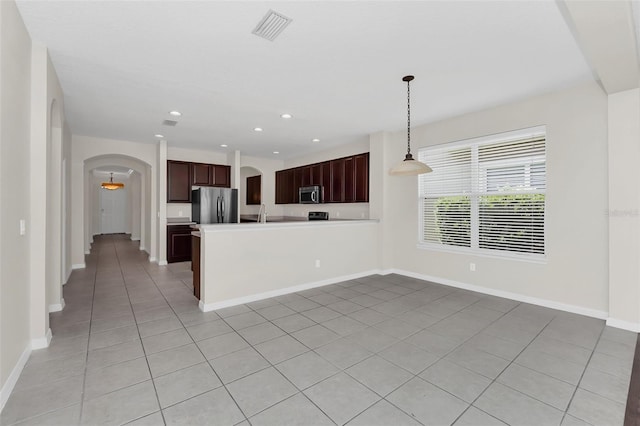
x: 178, y: 243
x: 195, y: 264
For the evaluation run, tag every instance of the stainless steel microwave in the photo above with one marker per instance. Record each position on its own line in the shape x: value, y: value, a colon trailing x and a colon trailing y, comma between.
x: 310, y: 194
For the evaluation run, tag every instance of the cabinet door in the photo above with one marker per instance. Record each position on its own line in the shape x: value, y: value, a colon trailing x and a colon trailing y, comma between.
x: 178, y: 243
x: 253, y: 190
x: 316, y: 174
x: 280, y: 187
x: 349, y: 180
x: 326, y: 182
x: 202, y: 174
x: 221, y: 176
x: 305, y: 176
x: 337, y: 181
x: 178, y: 182
x: 362, y: 178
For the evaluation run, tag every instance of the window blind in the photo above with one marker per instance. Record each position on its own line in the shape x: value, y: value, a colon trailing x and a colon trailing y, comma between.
x: 486, y: 195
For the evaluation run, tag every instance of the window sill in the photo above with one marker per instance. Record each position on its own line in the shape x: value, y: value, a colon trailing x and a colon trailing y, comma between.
x: 537, y: 259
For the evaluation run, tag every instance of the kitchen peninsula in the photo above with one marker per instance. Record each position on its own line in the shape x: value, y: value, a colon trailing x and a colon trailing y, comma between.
x: 241, y: 263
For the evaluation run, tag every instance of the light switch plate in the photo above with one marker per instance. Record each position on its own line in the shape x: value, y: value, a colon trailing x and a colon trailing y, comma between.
x: 23, y: 226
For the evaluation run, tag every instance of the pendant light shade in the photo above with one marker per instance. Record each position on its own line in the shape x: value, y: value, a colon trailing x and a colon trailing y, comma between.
x: 409, y: 166
x: 111, y: 185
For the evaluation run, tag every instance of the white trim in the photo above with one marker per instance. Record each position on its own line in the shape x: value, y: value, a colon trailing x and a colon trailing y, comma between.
x: 506, y: 294
x: 135, y: 238
x: 493, y: 254
x: 69, y: 271
x: 87, y: 252
x: 281, y: 291
x: 142, y: 248
x: 78, y: 266
x: 57, y: 307
x: 625, y: 325
x: 163, y: 263
x: 42, y: 342
x: 11, y: 381
x: 152, y: 259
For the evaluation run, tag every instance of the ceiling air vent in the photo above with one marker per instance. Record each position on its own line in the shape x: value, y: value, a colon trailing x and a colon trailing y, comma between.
x: 271, y: 25
x: 169, y: 123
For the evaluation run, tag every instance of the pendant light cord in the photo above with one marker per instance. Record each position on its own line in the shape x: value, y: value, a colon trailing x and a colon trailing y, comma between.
x: 408, y: 118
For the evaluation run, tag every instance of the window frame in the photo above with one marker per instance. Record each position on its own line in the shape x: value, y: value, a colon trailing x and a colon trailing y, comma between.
x: 476, y: 170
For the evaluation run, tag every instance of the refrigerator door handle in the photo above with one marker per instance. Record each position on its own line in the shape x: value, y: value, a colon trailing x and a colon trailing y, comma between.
x: 222, y: 205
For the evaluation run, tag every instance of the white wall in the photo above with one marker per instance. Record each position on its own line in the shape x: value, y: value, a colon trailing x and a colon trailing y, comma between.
x: 576, y: 271
x: 624, y: 209
x: 268, y: 168
x: 15, y: 110
x: 258, y: 260
x: 89, y: 153
x: 246, y: 172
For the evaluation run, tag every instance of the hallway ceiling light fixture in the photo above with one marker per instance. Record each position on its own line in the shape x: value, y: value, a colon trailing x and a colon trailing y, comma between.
x: 111, y: 185
x: 158, y: 135
x: 175, y: 113
x: 285, y: 115
x: 257, y: 129
x: 409, y: 166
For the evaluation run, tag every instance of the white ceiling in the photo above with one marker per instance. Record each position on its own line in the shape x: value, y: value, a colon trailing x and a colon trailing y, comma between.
x: 337, y: 68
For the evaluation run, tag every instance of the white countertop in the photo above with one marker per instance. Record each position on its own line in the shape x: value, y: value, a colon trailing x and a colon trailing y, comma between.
x: 226, y: 227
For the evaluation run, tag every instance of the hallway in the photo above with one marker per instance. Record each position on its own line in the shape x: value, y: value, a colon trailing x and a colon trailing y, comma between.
x: 132, y: 347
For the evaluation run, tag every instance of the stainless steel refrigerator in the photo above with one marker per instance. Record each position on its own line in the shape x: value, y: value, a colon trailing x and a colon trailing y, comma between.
x: 214, y: 205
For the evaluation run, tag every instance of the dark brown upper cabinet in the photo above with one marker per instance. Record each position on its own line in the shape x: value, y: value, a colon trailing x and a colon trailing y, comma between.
x: 181, y: 175
x: 344, y: 180
x: 202, y: 174
x: 221, y: 176
x: 254, y: 187
x: 178, y: 182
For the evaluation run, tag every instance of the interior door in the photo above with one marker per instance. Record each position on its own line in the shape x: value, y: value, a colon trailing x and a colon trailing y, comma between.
x: 113, y: 211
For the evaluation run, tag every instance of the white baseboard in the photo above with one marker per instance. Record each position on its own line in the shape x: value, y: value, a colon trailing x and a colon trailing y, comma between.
x: 142, y: 248
x: 87, y: 252
x: 135, y: 238
x: 152, y: 259
x: 41, y: 342
x: 78, y: 266
x: 280, y: 292
x: 57, y: 307
x: 68, y: 275
x: 163, y: 263
x: 11, y: 381
x: 594, y: 313
x: 625, y: 325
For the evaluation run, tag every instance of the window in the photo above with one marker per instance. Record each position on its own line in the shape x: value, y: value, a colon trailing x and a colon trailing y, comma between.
x: 486, y: 195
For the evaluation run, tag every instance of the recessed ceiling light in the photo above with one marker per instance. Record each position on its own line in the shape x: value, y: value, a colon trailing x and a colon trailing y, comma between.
x: 315, y: 140
x: 276, y: 152
x: 286, y: 116
x: 257, y: 129
x: 224, y: 145
x: 175, y: 113
x: 158, y: 135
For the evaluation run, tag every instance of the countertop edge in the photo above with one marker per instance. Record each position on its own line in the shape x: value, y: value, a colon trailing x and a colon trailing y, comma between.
x: 274, y: 225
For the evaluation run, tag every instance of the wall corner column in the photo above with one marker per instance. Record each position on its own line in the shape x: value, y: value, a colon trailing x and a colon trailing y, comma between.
x: 624, y: 209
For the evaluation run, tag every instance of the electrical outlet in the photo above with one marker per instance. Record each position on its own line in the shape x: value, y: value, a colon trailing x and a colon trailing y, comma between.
x: 317, y: 263
x: 337, y: 214
x: 472, y: 267
x: 23, y: 226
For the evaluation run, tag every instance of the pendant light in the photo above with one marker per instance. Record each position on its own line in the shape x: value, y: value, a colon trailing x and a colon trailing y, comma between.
x: 409, y: 166
x: 111, y: 185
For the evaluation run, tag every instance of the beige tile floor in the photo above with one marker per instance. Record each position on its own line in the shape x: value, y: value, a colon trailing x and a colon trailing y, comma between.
x: 131, y: 347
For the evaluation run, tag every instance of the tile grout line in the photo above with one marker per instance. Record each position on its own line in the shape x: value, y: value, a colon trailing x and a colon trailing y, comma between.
x: 93, y: 298
x: 141, y: 345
